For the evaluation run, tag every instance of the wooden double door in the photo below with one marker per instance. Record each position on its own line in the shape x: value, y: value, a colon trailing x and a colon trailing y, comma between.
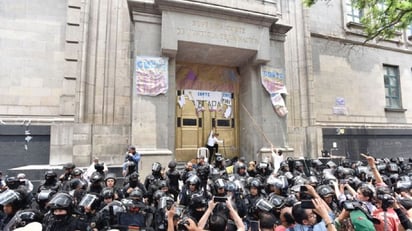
x: 197, y: 115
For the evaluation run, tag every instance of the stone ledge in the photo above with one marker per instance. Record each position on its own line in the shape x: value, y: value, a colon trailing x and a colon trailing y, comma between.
x: 154, y: 152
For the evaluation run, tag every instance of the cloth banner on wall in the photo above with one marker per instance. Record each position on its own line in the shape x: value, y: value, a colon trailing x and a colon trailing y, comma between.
x: 273, y: 80
x: 214, y: 99
x: 152, y: 75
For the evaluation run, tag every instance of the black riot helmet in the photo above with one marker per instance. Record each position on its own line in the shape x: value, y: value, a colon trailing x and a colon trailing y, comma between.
x: 136, y: 194
x: 162, y: 184
x: 172, y: 164
x: 298, y: 163
x: 325, y: 191
x: 220, y: 183
x: 77, y: 172
x: 156, y: 167
x: 107, y: 193
x: 13, y: 182
x: 99, y: 167
x: 96, y: 178
x: 255, y: 183
x: 134, y: 177
x: 193, y: 180
x: 24, y: 217
x: 316, y: 163
x: 277, y: 201
x: 62, y: 201
x: 50, y: 175
x: 13, y: 198
x: 231, y: 186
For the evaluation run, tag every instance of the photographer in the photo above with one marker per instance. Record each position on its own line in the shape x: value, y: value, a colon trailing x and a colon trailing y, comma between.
x: 384, y: 201
x: 306, y: 218
x: 219, y: 221
x: 401, y: 212
x: 385, y: 213
x: 173, y: 222
x: 363, y: 194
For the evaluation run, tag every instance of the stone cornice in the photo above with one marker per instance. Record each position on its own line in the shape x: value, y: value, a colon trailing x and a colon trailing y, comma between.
x: 205, y: 9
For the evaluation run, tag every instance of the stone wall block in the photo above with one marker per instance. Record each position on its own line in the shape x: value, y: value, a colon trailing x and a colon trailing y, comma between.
x: 82, y: 150
x: 73, y: 33
x: 71, y: 69
x: 61, y: 154
x: 73, y: 16
x: 72, y: 51
x: 67, y: 105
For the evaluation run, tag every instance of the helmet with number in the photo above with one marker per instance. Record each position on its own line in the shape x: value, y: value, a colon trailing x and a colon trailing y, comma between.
x: 77, y: 172
x: 325, y: 191
x: 156, y: 167
x: 50, y: 175
x: 193, y: 180
x: 62, y: 201
x: 277, y: 201
x: 172, y: 164
x: 24, y: 217
x: 255, y: 183
x: 219, y: 184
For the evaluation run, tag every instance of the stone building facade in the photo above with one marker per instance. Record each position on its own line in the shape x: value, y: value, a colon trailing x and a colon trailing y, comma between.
x: 68, y: 73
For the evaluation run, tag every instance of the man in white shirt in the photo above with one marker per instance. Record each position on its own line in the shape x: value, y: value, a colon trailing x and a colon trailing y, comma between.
x: 277, y: 159
x: 212, y: 144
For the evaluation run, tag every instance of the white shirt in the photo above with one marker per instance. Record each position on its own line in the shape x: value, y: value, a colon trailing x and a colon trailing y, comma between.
x: 212, y: 140
x: 277, y: 159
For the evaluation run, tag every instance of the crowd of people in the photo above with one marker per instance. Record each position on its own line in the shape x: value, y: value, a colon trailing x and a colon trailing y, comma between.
x: 293, y: 195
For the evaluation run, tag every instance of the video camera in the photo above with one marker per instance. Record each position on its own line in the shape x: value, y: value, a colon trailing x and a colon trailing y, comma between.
x: 351, y: 205
x: 181, y: 225
x: 387, y: 200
